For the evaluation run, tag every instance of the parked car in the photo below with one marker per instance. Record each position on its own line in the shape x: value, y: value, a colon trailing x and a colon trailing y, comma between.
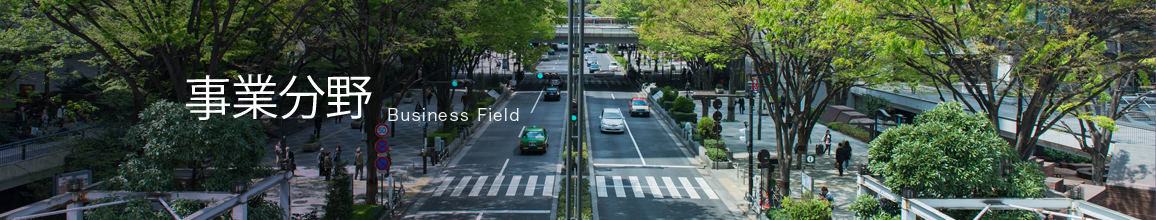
x: 612, y: 120
x: 638, y: 106
x: 552, y: 94
x: 533, y: 139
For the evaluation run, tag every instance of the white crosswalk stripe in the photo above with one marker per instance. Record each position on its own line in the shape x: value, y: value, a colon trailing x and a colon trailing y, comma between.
x: 618, y: 190
x: 548, y: 190
x: 706, y: 188
x: 689, y: 189
x: 445, y: 184
x: 494, y: 187
x: 513, y: 189
x: 530, y: 184
x: 637, y: 187
x: 654, y: 190
x: 671, y: 188
x: 478, y: 186
x: 601, y: 184
x: 461, y: 186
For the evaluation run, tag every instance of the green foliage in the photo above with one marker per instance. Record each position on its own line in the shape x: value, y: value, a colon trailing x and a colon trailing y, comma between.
x: 719, y: 86
x: 854, y: 132
x: 367, y: 212
x: 169, y: 136
x: 584, y: 188
x: 447, y: 134
x: 777, y: 214
x: 666, y: 105
x: 717, y: 154
x: 868, y: 207
x: 339, y: 199
x: 101, y: 154
x: 683, y: 104
x: 714, y: 143
x: 696, y: 137
x: 669, y: 94
x: 949, y: 153
x: 808, y: 208
x: 706, y: 128
x: 1065, y: 157
x: 680, y: 117
x: 869, y: 104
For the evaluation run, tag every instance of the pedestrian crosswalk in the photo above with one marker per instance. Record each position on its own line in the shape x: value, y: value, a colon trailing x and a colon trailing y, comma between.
x: 608, y: 81
x: 605, y: 186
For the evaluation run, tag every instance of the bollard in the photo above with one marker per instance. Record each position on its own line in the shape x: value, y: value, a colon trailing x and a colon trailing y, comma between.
x: 423, y: 163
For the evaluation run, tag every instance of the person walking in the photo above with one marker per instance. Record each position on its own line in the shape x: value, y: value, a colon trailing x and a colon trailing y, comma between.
x: 827, y: 142
x: 336, y: 155
x: 280, y: 154
x: 317, y: 124
x: 742, y: 106
x: 359, y: 163
x: 841, y: 156
x: 322, y: 167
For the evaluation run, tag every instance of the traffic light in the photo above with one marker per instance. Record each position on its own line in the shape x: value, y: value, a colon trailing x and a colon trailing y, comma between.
x: 764, y: 157
x: 462, y: 82
x: 540, y: 75
x: 573, y: 110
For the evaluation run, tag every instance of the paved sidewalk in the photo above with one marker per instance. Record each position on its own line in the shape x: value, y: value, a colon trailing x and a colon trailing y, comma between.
x: 405, y: 141
x: 735, y: 181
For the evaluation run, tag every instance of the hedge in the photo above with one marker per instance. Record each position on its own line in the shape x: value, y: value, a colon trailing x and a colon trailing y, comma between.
x: 683, y: 104
x: 852, y: 131
x: 680, y: 117
x: 716, y: 154
x: 666, y: 105
x: 449, y: 134
x: 714, y: 143
x: 367, y: 212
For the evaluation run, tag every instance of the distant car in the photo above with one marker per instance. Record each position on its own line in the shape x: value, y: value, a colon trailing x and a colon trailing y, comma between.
x: 551, y: 52
x: 533, y: 139
x: 591, y: 62
x: 638, y: 106
x: 612, y: 120
x: 552, y: 94
x: 614, y: 66
x: 600, y: 50
x: 594, y: 68
x: 553, y: 79
x: 545, y: 57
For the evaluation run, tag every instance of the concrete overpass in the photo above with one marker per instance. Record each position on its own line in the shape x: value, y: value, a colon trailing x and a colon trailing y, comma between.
x: 34, y: 159
x: 597, y: 33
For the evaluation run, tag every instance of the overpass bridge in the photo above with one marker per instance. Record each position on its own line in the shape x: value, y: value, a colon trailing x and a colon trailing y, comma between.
x: 596, y: 33
x: 34, y: 159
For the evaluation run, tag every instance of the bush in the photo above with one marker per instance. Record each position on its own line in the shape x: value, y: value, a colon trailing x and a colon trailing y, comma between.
x: 680, y: 117
x: 718, y: 86
x: 714, y: 143
x: 667, y: 105
x: 854, y: 132
x: 497, y: 89
x: 654, y: 90
x: 706, y: 128
x: 447, y: 134
x: 367, y: 212
x: 339, y: 199
x: 669, y: 94
x: 716, y: 154
x: 696, y: 137
x: 807, y: 208
x: 777, y: 214
x: 870, y: 104
x: 683, y: 104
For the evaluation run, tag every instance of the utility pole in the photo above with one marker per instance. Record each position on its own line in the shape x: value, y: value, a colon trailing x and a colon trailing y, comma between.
x: 573, y: 170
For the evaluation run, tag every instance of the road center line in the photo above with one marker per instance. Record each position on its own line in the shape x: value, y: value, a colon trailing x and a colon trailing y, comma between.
x: 504, y: 167
x: 634, y: 142
x: 536, y: 100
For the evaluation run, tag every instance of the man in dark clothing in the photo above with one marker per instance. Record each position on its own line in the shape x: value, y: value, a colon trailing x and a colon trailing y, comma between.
x: 317, y: 124
x: 322, y: 165
x: 841, y: 156
x: 742, y: 106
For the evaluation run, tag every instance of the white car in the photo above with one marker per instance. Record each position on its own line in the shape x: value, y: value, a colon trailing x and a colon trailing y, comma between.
x: 638, y: 106
x: 612, y: 120
x: 545, y: 57
x: 614, y: 66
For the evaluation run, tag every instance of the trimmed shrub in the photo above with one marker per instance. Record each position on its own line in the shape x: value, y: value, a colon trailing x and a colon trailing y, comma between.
x: 339, y: 200
x: 810, y: 207
x: 852, y: 131
x: 667, y: 105
x: 716, y: 154
x: 680, y: 117
x: 447, y: 134
x: 706, y: 128
x: 669, y: 94
x: 714, y: 143
x: 683, y: 104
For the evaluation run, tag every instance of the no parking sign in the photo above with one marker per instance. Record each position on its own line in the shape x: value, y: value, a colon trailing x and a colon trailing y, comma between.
x: 382, y: 165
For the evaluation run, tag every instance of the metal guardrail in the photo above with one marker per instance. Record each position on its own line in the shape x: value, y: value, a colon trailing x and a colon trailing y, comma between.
x: 32, y: 148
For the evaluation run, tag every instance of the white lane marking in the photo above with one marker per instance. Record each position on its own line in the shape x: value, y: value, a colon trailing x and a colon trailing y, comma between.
x: 496, y: 185
x: 670, y: 187
x: 654, y: 190
x: 530, y: 184
x: 504, y: 167
x: 627, y: 126
x: 478, y: 185
x: 689, y: 188
x: 612, y: 96
x: 513, y: 189
x: 601, y: 181
x: 451, y: 212
x: 461, y: 186
x: 548, y: 190
x: 637, y: 187
x: 480, y: 216
x: 445, y: 184
x: 536, y: 100
x: 643, y: 166
x: 706, y: 188
x: 618, y: 190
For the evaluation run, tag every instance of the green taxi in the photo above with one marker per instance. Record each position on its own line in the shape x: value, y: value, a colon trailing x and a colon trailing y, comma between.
x: 533, y: 139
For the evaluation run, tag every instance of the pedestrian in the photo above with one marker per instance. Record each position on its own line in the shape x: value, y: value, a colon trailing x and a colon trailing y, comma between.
x: 847, y: 162
x: 21, y: 117
x: 841, y: 156
x: 322, y: 157
x: 317, y: 124
x: 827, y: 195
x: 827, y: 142
x: 280, y: 155
x: 418, y: 108
x: 336, y: 154
x: 359, y: 163
x: 428, y: 95
x: 44, y: 118
x: 742, y: 106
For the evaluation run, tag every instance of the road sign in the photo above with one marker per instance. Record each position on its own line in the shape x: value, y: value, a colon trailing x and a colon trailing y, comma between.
x: 810, y: 159
x: 808, y: 183
x: 381, y: 130
x: 381, y: 146
x: 382, y: 165
x: 716, y: 103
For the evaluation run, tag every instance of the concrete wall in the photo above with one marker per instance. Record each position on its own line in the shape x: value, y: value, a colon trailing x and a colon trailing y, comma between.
x: 30, y: 170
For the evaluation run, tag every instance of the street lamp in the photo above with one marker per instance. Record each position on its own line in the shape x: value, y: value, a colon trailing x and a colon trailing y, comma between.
x: 751, y: 150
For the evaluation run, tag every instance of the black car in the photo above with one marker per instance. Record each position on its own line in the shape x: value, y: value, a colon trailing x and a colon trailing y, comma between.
x: 552, y: 94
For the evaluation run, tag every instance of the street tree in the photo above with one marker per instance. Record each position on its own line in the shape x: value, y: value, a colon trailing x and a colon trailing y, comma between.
x: 32, y: 48
x: 1053, y: 48
x: 1096, y: 120
x: 950, y: 153
x: 169, y: 136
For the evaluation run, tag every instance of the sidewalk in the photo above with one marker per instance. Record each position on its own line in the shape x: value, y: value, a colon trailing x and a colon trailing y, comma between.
x: 405, y: 142
x: 734, y: 181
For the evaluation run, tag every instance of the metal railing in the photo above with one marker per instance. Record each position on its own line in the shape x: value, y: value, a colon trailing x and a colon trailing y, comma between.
x: 35, y: 147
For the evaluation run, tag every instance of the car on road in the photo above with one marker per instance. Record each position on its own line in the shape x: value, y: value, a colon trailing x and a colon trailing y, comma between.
x: 614, y: 66
x: 545, y: 57
x: 612, y: 120
x: 638, y: 106
x: 553, y: 79
x: 551, y: 52
x: 594, y: 68
x: 552, y: 94
x: 533, y: 139
x: 600, y: 50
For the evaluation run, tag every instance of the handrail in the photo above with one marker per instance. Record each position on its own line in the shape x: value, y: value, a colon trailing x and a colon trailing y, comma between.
x: 19, y: 151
